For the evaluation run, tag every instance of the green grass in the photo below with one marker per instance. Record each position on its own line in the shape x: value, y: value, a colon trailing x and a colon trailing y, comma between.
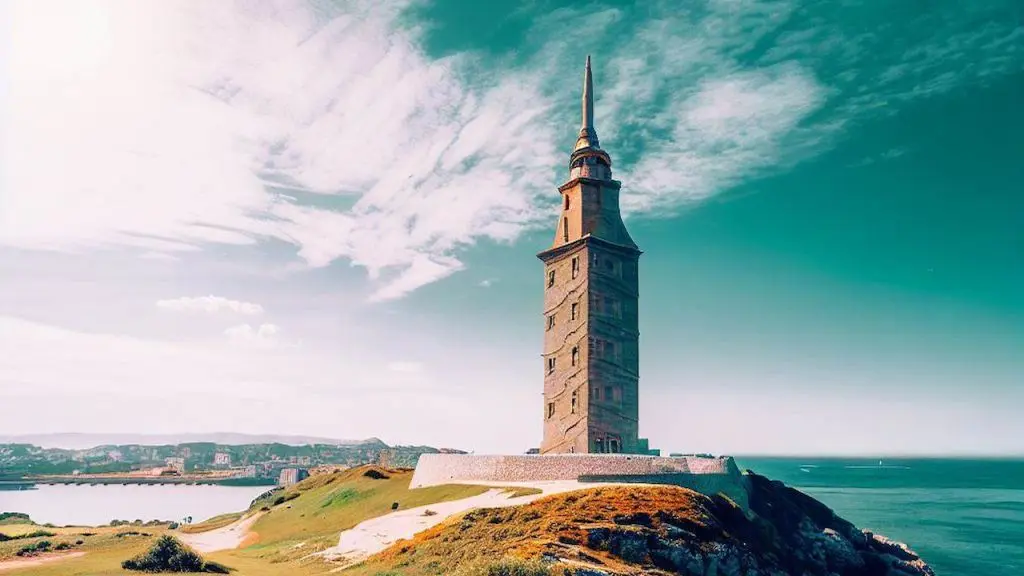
x: 326, y: 507
x: 317, y: 510
x: 520, y: 491
x: 212, y: 523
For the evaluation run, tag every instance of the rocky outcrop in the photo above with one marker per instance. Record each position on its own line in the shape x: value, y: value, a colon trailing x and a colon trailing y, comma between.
x: 661, y: 530
x: 786, y: 532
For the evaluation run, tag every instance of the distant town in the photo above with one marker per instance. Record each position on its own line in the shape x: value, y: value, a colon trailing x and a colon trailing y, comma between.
x: 196, y: 462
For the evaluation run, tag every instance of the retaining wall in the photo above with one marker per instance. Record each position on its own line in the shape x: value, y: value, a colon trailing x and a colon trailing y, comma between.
x: 702, y: 474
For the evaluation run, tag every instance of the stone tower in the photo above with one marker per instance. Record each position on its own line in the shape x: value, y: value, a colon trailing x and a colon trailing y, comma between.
x: 591, y: 361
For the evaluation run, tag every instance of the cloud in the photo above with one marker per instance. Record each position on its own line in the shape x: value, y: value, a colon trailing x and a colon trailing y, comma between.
x: 172, y: 126
x: 263, y: 335
x: 211, y: 304
x: 731, y: 127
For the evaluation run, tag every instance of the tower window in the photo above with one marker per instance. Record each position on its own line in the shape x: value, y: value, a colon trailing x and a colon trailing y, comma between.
x: 551, y: 409
x: 613, y: 445
x: 575, y: 360
x: 565, y: 229
x: 599, y: 445
x: 573, y: 310
x: 551, y: 365
x: 573, y: 401
x: 575, y: 266
x: 551, y: 322
x: 566, y: 201
x: 609, y: 394
x: 551, y: 278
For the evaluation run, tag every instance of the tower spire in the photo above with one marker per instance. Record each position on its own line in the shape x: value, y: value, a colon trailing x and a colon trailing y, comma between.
x: 588, y: 136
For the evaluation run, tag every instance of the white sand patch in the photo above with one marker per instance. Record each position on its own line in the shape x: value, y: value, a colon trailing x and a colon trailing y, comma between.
x: 376, y: 534
x: 38, y: 561
x: 227, y: 538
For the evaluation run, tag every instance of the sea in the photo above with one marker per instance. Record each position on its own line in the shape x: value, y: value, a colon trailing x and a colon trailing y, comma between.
x: 964, y: 517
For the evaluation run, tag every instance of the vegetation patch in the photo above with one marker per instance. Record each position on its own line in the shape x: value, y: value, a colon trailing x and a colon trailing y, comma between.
x: 376, y: 473
x: 27, y: 535
x: 520, y: 491
x: 170, y: 555
x: 14, y: 518
x: 212, y: 523
x: 341, y: 497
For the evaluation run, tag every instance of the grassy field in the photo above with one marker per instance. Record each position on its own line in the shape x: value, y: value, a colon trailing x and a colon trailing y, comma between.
x: 296, y: 522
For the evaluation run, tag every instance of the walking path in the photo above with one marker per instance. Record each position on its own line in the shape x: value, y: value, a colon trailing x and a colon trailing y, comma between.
x: 226, y: 538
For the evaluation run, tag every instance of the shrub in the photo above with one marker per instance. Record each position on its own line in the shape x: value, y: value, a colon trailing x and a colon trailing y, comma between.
x: 39, y: 534
x: 170, y: 555
x: 4, y: 537
x: 62, y: 546
x: 15, y: 517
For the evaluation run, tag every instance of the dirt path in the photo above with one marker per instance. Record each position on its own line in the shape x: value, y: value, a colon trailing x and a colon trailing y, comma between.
x: 227, y: 538
x: 374, y: 535
x: 37, y: 561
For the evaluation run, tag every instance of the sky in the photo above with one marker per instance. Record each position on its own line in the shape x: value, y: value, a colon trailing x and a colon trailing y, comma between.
x: 321, y: 218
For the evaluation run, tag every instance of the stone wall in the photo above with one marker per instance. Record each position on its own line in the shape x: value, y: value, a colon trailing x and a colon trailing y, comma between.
x: 703, y: 474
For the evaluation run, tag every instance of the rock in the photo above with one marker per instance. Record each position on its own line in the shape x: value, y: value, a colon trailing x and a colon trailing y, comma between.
x: 629, y: 544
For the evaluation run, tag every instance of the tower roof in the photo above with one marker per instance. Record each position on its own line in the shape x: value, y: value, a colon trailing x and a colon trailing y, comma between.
x: 588, y: 135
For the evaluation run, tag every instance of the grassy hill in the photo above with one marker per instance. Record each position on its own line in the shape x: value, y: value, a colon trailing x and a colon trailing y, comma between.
x: 293, y: 524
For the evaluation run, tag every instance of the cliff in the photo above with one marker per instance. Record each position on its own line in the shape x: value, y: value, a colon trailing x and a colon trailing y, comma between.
x: 653, y: 530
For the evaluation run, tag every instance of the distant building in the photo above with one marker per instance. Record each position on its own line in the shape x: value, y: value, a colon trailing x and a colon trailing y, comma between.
x: 247, y: 472
x: 185, y: 452
x: 175, y: 463
x: 222, y: 459
x: 290, y: 476
x: 304, y: 460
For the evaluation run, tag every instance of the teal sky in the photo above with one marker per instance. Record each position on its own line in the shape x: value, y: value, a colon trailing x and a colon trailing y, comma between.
x: 323, y: 218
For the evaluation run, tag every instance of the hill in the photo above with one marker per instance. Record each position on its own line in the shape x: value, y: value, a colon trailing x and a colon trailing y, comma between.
x: 651, y: 530
x: 83, y: 441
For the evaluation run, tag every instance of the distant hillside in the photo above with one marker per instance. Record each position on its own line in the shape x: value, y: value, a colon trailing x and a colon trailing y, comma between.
x: 83, y: 441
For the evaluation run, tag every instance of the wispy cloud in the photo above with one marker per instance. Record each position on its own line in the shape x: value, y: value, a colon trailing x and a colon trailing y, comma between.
x: 212, y: 304
x: 263, y: 335
x: 170, y: 126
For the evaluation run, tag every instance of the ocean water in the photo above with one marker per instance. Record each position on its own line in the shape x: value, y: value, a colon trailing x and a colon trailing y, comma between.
x: 83, y: 505
x: 964, y: 517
